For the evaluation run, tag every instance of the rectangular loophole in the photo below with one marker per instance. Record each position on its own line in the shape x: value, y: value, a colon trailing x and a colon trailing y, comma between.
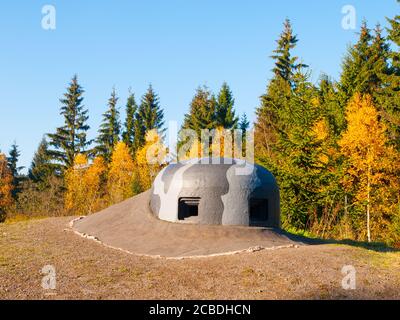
x: 258, y: 212
x: 188, y: 207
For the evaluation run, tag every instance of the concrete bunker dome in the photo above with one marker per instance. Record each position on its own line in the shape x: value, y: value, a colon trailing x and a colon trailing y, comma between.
x: 216, y: 191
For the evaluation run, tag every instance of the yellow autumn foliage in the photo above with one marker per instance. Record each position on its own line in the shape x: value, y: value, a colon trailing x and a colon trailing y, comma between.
x: 315, y: 102
x: 223, y: 145
x: 195, y: 151
x: 149, y: 159
x: 320, y: 130
x: 6, y: 187
x: 371, y: 163
x: 120, y: 174
x: 83, y: 183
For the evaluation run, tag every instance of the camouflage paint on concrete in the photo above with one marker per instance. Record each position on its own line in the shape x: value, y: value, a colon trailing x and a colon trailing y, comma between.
x: 224, y: 193
x: 166, y: 188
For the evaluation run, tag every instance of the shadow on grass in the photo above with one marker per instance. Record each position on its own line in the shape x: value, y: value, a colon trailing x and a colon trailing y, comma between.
x: 374, y: 246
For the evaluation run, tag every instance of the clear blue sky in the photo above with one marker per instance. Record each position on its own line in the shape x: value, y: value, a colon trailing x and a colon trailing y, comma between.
x: 175, y: 45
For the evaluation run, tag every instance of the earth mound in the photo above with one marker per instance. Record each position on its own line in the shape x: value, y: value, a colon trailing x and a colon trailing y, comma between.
x: 131, y: 226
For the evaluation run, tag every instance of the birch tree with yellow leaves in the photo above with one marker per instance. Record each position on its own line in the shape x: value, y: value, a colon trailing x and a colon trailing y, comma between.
x: 84, y: 185
x: 150, y: 159
x: 371, y: 163
x: 120, y: 174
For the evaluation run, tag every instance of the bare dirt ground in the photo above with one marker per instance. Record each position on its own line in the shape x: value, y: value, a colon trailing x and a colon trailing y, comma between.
x: 88, y: 270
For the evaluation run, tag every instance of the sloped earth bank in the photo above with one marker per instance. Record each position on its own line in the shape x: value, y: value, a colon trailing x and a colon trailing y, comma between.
x: 131, y: 226
x: 87, y: 269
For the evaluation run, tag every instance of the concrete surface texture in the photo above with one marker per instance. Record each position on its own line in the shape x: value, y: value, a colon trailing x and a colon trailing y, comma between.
x: 216, y: 191
x: 132, y: 227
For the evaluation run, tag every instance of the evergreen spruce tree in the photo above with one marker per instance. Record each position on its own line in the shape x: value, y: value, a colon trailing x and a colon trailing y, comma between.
x: 150, y: 111
x: 367, y: 70
x: 128, y: 135
x: 139, y: 131
x: 394, y: 36
x: 109, y: 129
x: 377, y: 67
x: 202, y: 113
x: 390, y: 99
x: 331, y: 109
x: 70, y: 139
x: 244, y: 124
x: 277, y: 96
x: 301, y: 161
x: 285, y: 63
x: 357, y: 68
x: 15, y: 170
x: 12, y: 160
x: 225, y: 113
x: 41, y: 166
x: 149, y: 116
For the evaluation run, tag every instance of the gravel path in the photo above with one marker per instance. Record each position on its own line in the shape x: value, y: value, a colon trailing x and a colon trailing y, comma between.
x: 88, y: 270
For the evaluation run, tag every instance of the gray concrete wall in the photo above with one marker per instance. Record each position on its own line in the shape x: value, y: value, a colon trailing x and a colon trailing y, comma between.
x: 224, y: 192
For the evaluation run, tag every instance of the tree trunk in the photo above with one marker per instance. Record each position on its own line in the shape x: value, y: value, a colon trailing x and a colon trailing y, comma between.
x: 368, y: 204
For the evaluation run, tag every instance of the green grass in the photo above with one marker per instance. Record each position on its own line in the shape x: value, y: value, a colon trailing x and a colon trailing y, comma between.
x: 298, y: 232
x: 374, y: 246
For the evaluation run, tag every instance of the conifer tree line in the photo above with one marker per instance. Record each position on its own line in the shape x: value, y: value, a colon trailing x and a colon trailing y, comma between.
x: 208, y: 111
x: 333, y: 146
x: 83, y: 175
